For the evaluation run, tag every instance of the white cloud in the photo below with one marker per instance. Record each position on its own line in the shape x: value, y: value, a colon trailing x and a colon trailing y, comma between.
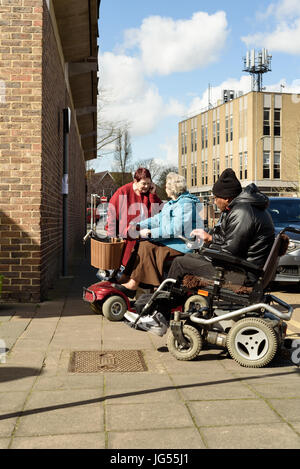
x: 169, y: 46
x: 130, y: 97
x: 286, y: 35
x: 285, y: 38
x: 170, y: 149
x: 287, y: 9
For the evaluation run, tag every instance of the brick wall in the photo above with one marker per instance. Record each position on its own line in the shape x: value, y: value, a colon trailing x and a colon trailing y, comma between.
x: 20, y: 147
x: 32, y: 97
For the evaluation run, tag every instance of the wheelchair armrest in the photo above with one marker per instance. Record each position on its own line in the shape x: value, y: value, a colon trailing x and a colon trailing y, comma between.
x: 222, y: 257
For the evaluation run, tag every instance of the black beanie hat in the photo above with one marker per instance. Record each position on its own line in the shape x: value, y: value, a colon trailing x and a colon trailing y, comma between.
x: 227, y: 186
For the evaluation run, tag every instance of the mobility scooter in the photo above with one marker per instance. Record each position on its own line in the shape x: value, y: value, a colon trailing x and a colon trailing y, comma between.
x: 106, y: 255
x: 247, y: 321
x: 104, y: 296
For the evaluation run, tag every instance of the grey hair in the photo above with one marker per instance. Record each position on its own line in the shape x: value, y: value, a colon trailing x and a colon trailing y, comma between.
x: 175, y: 184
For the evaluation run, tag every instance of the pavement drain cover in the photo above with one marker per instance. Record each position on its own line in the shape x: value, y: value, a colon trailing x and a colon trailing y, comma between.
x: 108, y: 361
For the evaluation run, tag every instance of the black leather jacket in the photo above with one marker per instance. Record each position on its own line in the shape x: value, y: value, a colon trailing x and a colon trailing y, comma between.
x: 245, y: 228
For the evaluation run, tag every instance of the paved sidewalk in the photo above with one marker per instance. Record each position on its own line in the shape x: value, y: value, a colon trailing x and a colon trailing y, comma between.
x: 208, y: 403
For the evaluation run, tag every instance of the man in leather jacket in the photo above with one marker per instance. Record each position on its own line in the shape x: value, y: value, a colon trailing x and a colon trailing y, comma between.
x: 245, y: 228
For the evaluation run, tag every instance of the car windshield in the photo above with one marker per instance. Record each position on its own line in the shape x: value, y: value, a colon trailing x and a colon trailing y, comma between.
x: 285, y: 211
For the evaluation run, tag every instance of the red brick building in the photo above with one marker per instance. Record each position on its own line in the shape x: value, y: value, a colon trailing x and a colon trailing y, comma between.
x: 105, y: 183
x: 48, y: 127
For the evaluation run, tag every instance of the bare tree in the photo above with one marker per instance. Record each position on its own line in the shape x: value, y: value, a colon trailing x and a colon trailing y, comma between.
x: 108, y: 131
x: 123, y: 153
x: 151, y: 164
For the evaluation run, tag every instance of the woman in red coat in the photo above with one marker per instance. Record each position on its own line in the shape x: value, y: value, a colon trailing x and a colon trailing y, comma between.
x: 135, y: 201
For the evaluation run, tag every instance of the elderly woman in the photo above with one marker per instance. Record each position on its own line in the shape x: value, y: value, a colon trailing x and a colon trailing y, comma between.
x: 179, y: 216
x: 133, y: 201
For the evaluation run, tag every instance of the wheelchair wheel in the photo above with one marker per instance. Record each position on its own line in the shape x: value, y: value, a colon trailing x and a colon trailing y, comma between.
x: 114, y: 308
x: 189, y: 352
x: 252, y: 342
x: 196, y: 301
x: 96, y: 307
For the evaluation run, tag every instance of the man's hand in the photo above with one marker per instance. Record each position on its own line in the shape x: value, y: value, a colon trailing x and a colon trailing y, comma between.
x: 201, y: 235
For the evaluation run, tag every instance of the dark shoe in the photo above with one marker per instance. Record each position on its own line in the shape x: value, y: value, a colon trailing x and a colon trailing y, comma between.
x: 129, y: 293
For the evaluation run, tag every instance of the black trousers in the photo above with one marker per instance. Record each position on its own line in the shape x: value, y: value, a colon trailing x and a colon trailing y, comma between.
x: 195, y: 264
x: 191, y: 263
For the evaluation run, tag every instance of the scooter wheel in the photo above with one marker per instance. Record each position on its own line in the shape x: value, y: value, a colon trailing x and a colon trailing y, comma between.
x: 252, y: 342
x: 114, y: 308
x: 189, y: 352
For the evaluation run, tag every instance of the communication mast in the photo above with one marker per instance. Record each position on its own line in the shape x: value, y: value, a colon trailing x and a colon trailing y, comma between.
x: 257, y: 63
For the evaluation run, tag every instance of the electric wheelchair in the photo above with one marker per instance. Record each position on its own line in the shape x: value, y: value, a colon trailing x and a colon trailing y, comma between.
x: 247, y: 321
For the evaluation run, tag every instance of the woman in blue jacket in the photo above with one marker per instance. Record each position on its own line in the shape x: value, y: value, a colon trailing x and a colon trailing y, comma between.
x: 179, y: 216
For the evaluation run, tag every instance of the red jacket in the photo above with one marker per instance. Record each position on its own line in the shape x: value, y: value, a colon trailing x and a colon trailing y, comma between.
x: 126, y: 206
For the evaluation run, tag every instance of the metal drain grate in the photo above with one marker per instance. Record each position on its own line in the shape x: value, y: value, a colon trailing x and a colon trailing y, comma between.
x: 109, y: 361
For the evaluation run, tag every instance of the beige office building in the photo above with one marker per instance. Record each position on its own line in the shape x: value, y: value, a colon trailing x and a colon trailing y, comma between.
x: 256, y: 134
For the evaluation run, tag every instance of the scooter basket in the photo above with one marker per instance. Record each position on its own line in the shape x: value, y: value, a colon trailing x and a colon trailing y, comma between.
x: 106, y: 256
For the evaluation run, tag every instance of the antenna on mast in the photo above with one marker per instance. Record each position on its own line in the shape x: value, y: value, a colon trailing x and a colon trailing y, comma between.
x: 257, y: 63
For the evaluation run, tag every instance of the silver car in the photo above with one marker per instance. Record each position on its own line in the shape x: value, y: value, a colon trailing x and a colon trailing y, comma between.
x: 285, y: 211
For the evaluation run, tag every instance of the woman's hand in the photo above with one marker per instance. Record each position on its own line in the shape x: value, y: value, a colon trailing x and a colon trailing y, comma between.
x: 152, y: 189
x: 145, y: 233
x: 201, y: 235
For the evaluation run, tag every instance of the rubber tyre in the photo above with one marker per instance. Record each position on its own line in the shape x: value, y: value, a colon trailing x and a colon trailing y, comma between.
x: 114, y: 308
x: 96, y: 307
x: 192, y: 335
x: 201, y: 300
x: 252, y: 343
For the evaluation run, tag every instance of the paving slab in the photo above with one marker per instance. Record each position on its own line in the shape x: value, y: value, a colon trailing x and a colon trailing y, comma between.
x: 179, y: 438
x: 232, y: 412
x: 147, y: 416
x: 67, y: 441
x: 62, y: 412
x: 139, y: 388
x: 258, y: 436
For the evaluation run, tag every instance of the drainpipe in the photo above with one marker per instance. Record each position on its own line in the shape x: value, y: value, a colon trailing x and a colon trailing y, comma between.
x: 65, y: 187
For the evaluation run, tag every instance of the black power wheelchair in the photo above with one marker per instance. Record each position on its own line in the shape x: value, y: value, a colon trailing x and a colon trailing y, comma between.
x: 247, y: 321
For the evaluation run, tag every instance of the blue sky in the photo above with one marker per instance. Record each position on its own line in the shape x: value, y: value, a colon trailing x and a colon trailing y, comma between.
x: 157, y: 57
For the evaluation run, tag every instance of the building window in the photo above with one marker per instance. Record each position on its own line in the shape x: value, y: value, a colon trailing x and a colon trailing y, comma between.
x: 214, y: 171
x: 214, y: 133
x: 231, y: 128
x: 202, y: 173
x: 266, y: 121
x: 182, y: 143
x: 192, y: 140
x: 277, y: 122
x: 202, y: 137
x: 218, y: 132
x: 266, y: 165
x: 276, y: 169
x: 206, y: 136
x: 226, y: 162
x: 246, y: 164
x: 241, y: 165
x: 227, y: 128
x: 218, y: 168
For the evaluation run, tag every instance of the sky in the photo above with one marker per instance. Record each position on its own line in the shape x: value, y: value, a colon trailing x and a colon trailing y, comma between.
x: 159, y: 58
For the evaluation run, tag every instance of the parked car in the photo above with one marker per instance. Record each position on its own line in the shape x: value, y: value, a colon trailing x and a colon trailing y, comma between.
x: 285, y: 211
